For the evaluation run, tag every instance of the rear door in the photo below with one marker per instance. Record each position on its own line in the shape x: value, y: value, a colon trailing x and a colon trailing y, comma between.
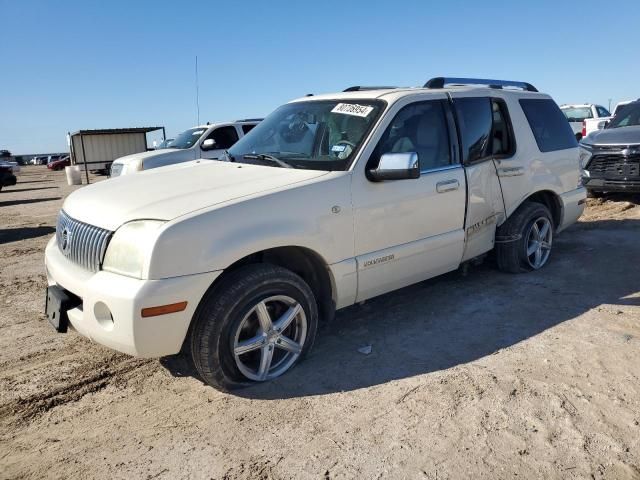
x: 410, y: 230
x: 486, y: 135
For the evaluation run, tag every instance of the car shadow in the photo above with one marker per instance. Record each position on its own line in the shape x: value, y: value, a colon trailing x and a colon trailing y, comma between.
x: 15, y: 190
x: 459, y: 318
x: 8, y: 235
x: 9, y: 203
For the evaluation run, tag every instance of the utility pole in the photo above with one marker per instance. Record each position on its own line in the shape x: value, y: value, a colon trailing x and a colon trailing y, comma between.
x: 609, y: 105
x: 197, y: 93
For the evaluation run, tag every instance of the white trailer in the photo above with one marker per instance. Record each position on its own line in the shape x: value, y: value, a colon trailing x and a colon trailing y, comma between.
x: 95, y: 150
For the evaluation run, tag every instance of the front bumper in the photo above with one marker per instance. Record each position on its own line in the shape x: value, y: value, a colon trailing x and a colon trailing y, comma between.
x: 604, y: 185
x: 110, y: 313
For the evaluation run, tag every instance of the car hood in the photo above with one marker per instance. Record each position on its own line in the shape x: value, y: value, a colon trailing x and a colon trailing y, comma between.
x: 614, y: 136
x: 177, y: 153
x: 169, y: 192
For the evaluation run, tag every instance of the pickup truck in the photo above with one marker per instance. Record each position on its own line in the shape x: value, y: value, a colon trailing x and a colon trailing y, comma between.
x: 610, y: 157
x: 577, y: 114
x: 204, y: 142
x: 331, y: 200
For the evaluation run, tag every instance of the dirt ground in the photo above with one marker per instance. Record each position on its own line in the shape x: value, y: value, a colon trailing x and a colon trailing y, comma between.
x: 476, y: 375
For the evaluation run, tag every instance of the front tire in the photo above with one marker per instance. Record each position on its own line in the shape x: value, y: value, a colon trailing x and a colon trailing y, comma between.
x: 524, y: 241
x: 255, y: 327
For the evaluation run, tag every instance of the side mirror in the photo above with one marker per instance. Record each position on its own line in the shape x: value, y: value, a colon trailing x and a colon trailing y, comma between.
x: 396, y: 166
x: 208, y: 144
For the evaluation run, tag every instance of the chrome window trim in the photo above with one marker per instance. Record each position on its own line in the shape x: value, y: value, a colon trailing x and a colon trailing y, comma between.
x: 440, y: 169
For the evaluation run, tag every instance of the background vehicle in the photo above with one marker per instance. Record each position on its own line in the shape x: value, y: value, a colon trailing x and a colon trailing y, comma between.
x: 206, y: 141
x: 610, y: 157
x: 591, y: 124
x: 60, y: 163
x: 7, y: 178
x: 6, y: 159
x: 164, y: 144
x: 577, y: 114
x: 331, y: 200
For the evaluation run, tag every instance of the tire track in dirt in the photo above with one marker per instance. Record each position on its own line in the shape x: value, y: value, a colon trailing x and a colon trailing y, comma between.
x: 93, y: 378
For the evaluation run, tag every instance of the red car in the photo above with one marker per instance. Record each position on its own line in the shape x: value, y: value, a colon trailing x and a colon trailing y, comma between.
x: 59, y: 164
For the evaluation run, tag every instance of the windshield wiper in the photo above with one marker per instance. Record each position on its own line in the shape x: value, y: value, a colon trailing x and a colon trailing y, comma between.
x: 268, y: 158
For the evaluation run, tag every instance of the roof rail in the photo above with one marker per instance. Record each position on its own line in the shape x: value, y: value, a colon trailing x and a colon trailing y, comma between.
x: 440, y: 82
x: 250, y: 120
x: 361, y: 88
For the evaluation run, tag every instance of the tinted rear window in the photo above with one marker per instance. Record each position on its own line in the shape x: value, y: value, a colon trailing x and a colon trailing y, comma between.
x: 549, y: 125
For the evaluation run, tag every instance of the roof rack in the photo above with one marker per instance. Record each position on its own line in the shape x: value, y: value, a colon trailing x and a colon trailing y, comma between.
x: 441, y: 82
x: 361, y: 88
x: 250, y: 120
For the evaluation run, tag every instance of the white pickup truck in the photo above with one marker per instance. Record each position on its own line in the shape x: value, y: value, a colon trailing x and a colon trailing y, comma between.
x: 577, y: 114
x: 331, y: 200
x: 204, y: 142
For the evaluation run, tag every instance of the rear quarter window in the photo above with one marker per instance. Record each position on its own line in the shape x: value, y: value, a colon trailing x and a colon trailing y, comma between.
x: 548, y: 124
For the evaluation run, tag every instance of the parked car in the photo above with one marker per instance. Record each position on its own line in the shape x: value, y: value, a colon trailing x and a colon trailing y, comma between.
x: 331, y: 200
x: 7, y: 178
x: 165, y: 143
x: 610, y: 158
x: 40, y: 160
x: 6, y: 159
x: 577, y: 114
x: 59, y: 164
x: 592, y: 124
x: 203, y: 142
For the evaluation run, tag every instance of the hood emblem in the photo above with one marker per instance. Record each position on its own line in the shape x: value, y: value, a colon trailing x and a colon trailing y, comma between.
x: 65, y: 241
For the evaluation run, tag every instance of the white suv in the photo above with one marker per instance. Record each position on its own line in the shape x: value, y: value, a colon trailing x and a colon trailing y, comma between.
x: 329, y: 201
x: 203, y: 142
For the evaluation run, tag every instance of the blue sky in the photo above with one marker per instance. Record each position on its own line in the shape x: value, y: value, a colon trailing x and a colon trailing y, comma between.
x: 100, y: 64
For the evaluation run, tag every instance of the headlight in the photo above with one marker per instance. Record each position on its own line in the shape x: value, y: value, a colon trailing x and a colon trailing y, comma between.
x: 130, y: 247
x: 585, y: 155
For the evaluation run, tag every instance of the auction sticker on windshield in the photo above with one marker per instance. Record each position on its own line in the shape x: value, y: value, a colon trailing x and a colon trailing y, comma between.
x: 352, y: 109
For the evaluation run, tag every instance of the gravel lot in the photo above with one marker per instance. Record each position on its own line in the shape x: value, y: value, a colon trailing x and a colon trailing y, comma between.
x: 476, y: 375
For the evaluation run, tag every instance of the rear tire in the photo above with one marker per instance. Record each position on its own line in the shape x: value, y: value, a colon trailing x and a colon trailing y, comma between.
x: 255, y: 327
x: 523, y: 242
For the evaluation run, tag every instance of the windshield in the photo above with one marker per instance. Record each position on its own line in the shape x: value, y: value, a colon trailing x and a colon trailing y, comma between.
x: 577, y: 114
x: 628, y: 116
x: 187, y: 138
x: 314, y: 135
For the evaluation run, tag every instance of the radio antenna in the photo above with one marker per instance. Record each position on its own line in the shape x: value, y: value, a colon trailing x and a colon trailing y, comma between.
x: 197, y: 93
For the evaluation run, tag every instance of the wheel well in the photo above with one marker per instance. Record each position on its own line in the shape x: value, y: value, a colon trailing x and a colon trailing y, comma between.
x: 301, y: 261
x: 551, y: 201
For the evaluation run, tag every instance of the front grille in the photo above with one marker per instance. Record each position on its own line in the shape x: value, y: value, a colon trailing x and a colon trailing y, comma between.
x: 614, y: 166
x: 83, y: 244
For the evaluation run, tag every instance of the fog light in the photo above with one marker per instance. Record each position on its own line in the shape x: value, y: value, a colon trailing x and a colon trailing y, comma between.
x: 103, y: 315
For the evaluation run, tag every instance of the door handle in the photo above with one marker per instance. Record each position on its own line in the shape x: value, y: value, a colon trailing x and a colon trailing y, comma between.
x: 447, y: 186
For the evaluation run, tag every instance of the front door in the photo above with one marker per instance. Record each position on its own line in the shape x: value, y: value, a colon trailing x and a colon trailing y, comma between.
x: 224, y: 137
x: 410, y: 230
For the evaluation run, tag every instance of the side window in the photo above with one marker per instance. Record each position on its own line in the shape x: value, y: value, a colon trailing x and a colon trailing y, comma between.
x: 224, y: 137
x: 502, y: 142
x: 475, y: 118
x: 247, y: 128
x: 602, y: 112
x: 548, y: 124
x: 422, y: 128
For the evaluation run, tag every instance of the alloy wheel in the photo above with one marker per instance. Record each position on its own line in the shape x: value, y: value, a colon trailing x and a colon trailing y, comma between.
x: 270, y: 338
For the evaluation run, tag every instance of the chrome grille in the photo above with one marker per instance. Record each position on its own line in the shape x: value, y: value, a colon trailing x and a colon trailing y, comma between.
x: 83, y: 244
